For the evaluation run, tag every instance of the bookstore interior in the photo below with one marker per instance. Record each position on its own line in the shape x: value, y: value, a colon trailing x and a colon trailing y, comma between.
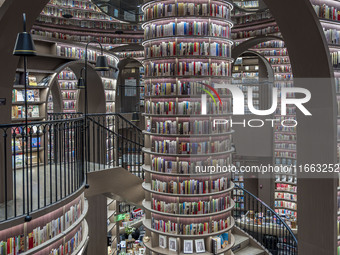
x: 170, y: 127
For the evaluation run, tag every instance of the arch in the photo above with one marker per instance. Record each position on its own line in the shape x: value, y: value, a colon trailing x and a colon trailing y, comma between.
x: 269, y: 68
x: 96, y: 94
x: 246, y: 45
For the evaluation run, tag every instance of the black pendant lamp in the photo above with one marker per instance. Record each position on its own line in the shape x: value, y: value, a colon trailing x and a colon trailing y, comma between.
x: 135, y: 117
x: 81, y: 81
x: 24, y: 45
x: 101, y: 63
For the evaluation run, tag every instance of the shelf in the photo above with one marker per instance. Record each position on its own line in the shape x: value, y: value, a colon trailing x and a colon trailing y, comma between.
x: 163, y: 251
x: 285, y: 182
x: 166, y: 38
x: 36, y: 71
x: 61, y: 235
x: 285, y: 150
x: 147, y: 206
x: 28, y: 103
x: 147, y: 187
x: 283, y: 199
x: 147, y: 224
x: 84, y: 242
x: 186, y: 115
x: 189, y: 57
x: 284, y: 141
x: 279, y: 207
x: 189, y: 135
x: 190, y: 17
x: 30, y: 87
x: 197, y: 77
x: 254, y: 23
x: 285, y: 191
x: 148, y: 151
x: 148, y: 169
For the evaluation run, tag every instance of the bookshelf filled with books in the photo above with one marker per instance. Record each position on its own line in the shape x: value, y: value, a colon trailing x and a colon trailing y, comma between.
x: 84, y: 21
x: 63, y: 231
x: 187, y: 52
x: 37, y: 92
x: 67, y: 81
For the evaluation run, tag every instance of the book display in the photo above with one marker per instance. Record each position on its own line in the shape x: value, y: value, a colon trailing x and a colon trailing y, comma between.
x: 83, y: 21
x: 37, y: 92
x: 68, y: 86
x: 187, y: 52
x: 60, y: 232
x: 110, y: 85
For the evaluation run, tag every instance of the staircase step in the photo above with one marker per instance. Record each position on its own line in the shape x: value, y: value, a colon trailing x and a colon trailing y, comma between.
x: 249, y: 250
x: 240, y: 242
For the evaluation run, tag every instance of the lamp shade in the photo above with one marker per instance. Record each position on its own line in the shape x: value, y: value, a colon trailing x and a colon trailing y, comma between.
x: 24, y: 46
x: 135, y: 117
x: 101, y: 64
x: 81, y: 83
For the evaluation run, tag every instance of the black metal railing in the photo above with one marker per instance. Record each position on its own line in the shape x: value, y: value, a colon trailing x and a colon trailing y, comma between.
x: 49, y: 161
x: 263, y: 224
x: 39, y: 165
x: 116, y: 142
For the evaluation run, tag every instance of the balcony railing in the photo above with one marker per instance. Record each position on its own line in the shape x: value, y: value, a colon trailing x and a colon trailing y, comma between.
x: 39, y: 166
x: 262, y: 223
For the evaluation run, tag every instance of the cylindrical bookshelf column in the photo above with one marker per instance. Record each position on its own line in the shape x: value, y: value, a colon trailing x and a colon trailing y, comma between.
x: 188, y: 188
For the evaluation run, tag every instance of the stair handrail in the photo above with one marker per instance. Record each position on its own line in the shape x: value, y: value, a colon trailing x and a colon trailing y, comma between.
x: 283, y: 225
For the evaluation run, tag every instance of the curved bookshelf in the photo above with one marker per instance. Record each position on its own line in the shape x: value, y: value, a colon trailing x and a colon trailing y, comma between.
x: 178, y: 26
x: 147, y: 224
x: 148, y: 169
x: 188, y: 135
x: 147, y: 206
x: 163, y: 251
x: 55, y: 229
x: 147, y: 187
x: 186, y: 155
